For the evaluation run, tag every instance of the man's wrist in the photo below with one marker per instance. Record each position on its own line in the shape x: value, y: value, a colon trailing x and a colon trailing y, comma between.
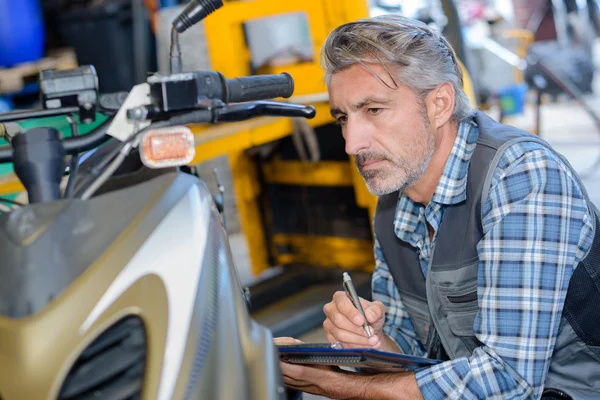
x: 392, y: 386
x: 396, y: 386
x: 346, y: 385
x: 389, y: 344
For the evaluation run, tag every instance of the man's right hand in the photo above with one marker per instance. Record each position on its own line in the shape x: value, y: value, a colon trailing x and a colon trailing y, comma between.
x: 344, y: 323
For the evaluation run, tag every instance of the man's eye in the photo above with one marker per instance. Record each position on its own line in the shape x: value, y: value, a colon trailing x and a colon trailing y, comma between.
x: 374, y: 111
x: 341, y: 120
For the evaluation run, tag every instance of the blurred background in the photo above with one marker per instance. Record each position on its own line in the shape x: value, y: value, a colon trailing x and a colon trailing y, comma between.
x: 296, y: 210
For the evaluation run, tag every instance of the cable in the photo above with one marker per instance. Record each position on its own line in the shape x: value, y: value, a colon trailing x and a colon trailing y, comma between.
x: 106, y: 174
x: 176, y: 65
x: 74, y: 160
x: 97, y: 172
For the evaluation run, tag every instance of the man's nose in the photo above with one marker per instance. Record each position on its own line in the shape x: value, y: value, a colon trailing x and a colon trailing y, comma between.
x: 357, y: 138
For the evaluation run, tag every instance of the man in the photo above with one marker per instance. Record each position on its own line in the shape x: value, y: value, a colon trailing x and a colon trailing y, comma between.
x: 481, y: 230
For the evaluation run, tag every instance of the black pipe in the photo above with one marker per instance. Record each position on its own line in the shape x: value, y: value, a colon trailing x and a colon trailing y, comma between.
x: 39, y: 162
x: 73, y: 145
x: 32, y: 114
x: 91, y: 140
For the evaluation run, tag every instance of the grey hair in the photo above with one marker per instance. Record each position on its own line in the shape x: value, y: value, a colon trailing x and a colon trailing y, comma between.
x: 420, y: 58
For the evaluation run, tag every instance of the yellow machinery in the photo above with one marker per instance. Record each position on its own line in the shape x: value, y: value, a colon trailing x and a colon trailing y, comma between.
x: 230, y: 55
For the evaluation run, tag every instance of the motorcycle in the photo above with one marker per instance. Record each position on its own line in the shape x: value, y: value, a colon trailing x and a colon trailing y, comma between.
x: 121, y: 284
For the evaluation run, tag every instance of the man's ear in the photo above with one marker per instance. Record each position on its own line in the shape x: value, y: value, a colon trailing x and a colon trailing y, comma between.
x: 440, y: 104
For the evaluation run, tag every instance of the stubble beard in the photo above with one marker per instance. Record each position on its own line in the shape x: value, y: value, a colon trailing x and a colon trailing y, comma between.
x: 396, y: 175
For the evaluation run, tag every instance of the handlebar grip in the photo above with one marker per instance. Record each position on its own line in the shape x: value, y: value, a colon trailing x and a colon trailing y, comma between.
x: 259, y: 87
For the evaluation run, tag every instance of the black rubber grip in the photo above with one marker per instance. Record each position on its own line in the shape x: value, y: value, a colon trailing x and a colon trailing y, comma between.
x: 259, y: 87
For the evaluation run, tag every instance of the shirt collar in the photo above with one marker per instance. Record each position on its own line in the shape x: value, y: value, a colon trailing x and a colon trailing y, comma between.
x: 452, y: 186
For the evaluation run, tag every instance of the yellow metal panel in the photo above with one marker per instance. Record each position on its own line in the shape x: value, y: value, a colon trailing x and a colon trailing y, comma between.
x: 339, y: 12
x: 308, y: 78
x: 326, y: 251
x: 228, y: 50
x: 322, y: 173
x: 225, y: 39
x: 245, y: 184
x: 468, y: 84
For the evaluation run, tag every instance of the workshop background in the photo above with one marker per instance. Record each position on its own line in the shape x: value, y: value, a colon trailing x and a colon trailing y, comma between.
x: 297, y: 212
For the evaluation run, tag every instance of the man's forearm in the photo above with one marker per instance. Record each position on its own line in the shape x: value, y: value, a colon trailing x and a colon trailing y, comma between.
x: 383, y: 386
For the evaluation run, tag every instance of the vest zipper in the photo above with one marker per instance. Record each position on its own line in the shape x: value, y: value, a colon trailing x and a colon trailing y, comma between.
x: 428, y: 291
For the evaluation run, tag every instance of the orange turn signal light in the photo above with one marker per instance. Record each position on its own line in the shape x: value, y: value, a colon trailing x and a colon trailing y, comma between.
x: 167, y: 147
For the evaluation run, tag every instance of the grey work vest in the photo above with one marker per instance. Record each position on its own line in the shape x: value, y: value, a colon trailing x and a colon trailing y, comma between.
x: 443, y: 306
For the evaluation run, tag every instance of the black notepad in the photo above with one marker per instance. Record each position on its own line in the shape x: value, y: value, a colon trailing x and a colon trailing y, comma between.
x: 323, y: 354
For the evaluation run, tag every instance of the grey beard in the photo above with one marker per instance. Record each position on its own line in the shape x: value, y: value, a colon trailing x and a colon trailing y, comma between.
x: 402, y: 184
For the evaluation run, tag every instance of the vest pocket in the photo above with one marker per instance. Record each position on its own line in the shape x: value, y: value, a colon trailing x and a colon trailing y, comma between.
x: 461, y: 323
x: 460, y: 306
x: 463, y: 298
x: 452, y: 292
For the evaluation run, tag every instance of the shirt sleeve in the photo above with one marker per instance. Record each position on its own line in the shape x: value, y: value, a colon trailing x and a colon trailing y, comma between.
x: 537, y: 228
x: 398, y: 325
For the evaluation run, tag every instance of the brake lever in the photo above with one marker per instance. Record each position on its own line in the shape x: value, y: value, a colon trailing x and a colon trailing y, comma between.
x: 244, y: 111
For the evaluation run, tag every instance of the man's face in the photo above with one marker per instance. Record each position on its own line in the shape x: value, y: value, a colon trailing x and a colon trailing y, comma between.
x: 387, y: 130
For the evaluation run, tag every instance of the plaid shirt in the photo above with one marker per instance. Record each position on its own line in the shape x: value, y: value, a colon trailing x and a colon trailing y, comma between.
x: 537, y: 228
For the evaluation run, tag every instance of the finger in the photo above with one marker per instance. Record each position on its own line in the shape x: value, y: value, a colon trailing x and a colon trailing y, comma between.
x: 346, y: 337
x: 293, y: 376
x: 340, y: 294
x: 378, y: 305
x: 292, y: 371
x: 286, y: 340
x: 374, y: 312
x: 373, y: 341
x: 341, y: 321
x: 305, y: 373
x: 329, y: 309
x: 345, y: 306
x: 331, y: 338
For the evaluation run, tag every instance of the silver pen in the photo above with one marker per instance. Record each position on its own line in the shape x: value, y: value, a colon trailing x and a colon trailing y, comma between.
x: 351, y: 292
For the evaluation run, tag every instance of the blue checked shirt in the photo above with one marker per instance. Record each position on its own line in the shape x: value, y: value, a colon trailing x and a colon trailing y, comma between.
x: 537, y: 228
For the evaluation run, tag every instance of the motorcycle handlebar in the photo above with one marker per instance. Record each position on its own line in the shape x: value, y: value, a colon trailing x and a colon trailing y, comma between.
x: 241, y: 90
x: 259, y: 87
x: 229, y: 113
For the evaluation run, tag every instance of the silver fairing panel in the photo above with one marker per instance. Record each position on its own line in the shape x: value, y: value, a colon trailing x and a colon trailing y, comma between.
x: 232, y: 356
